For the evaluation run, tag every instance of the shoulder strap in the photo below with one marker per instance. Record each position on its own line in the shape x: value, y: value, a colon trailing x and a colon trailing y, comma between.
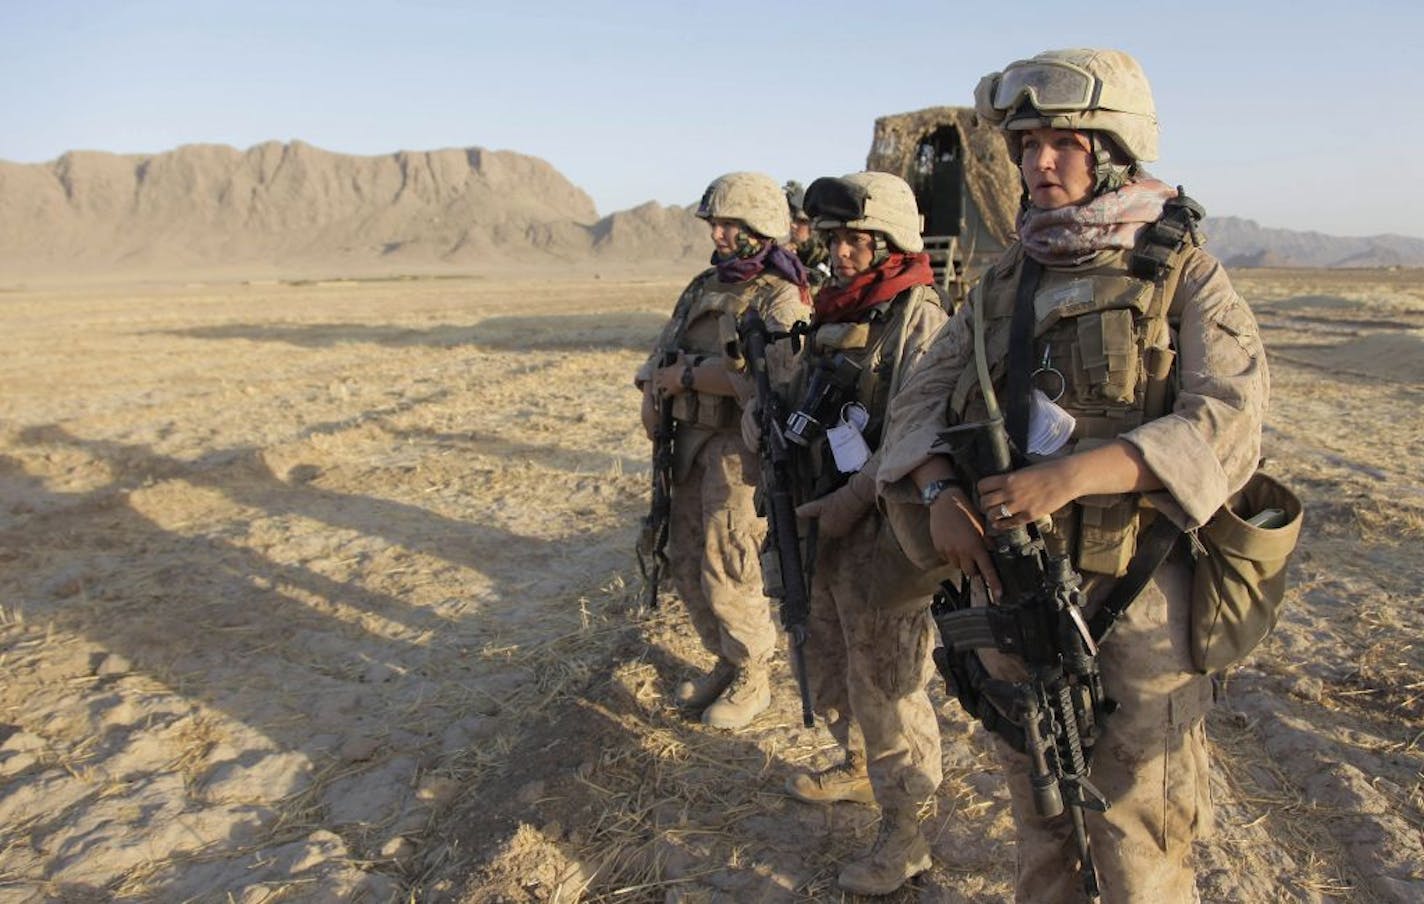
x: 1019, y: 377
x: 684, y: 305
x: 1153, y: 546
x: 1159, y: 242
x: 1158, y: 257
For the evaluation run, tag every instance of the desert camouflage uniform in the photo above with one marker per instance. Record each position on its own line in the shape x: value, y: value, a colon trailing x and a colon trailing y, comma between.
x: 715, y: 533
x: 1151, y: 762
x: 867, y: 656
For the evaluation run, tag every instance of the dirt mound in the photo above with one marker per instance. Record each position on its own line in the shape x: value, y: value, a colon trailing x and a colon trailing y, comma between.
x: 298, y: 207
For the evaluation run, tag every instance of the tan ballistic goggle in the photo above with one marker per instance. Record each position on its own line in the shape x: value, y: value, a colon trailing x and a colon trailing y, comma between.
x: 1053, y: 86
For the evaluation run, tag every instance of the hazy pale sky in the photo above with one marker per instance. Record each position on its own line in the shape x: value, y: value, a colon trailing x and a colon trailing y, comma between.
x: 1289, y: 113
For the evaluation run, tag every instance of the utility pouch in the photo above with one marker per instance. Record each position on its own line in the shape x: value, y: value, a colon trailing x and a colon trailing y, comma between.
x: 772, y: 584
x: 1240, y: 576
x: 842, y: 336
x: 1159, y: 370
x: 684, y: 407
x: 1107, y: 533
x: 703, y: 409
x: 1107, y: 342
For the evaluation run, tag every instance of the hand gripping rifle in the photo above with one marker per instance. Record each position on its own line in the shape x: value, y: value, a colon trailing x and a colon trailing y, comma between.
x: 653, y: 540
x: 782, y: 567
x: 1055, y: 716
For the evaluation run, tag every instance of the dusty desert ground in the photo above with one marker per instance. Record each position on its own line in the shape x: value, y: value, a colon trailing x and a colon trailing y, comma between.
x: 325, y: 592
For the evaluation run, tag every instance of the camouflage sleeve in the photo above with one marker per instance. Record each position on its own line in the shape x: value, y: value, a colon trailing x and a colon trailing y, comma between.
x: 918, y: 410
x: 925, y: 318
x: 668, y: 336
x: 1208, y: 446
x: 781, y: 307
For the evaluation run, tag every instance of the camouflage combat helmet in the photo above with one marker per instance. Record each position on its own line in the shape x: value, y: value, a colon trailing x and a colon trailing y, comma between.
x: 752, y: 198
x: 1085, y: 89
x: 795, y: 198
x: 871, y: 202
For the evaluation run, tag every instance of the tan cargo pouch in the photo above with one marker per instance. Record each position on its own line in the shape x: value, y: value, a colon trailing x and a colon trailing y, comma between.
x: 1240, y: 578
x: 702, y: 409
x: 1107, y: 341
x: 1107, y: 532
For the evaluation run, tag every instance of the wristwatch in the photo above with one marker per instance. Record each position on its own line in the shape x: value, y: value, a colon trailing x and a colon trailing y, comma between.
x: 688, y: 377
x: 932, y: 490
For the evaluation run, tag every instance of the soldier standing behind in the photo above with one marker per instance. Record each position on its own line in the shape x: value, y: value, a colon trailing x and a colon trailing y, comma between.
x: 805, y: 240
x: 869, y: 630
x: 1079, y: 334
x: 715, y: 533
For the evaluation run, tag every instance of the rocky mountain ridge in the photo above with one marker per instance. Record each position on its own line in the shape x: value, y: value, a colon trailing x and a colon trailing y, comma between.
x: 295, y: 206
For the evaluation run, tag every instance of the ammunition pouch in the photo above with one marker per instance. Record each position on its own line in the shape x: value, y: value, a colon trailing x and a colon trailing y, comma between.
x: 702, y: 409
x: 1107, y: 532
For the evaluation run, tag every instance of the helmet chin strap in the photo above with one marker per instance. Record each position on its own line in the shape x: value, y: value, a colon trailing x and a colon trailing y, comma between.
x: 1108, y: 176
x: 882, y: 250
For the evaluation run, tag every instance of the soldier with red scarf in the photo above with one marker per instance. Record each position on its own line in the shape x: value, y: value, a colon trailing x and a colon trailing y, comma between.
x: 869, y: 632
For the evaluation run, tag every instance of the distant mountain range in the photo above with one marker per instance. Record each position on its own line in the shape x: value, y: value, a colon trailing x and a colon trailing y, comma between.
x: 294, y: 207
x: 1244, y: 243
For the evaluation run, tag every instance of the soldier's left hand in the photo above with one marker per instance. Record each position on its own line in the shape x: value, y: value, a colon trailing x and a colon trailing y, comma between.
x: 839, y: 511
x: 1019, y: 497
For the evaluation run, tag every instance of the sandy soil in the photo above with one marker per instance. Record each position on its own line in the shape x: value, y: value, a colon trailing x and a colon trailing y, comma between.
x: 324, y: 592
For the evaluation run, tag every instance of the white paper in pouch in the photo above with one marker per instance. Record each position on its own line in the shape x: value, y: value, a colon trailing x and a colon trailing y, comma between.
x: 1049, y: 427
x: 848, y: 447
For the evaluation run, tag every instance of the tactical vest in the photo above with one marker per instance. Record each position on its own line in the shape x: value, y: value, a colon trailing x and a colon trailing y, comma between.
x: 1109, y: 334
x: 709, y: 316
x: 875, y: 342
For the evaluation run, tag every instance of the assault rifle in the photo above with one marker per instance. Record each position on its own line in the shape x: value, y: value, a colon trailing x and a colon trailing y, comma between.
x: 782, y: 568
x: 1054, y: 717
x: 652, y: 541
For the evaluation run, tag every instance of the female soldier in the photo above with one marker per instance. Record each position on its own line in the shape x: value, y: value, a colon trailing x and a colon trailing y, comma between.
x: 1101, y: 296
x: 714, y: 529
x: 868, y: 633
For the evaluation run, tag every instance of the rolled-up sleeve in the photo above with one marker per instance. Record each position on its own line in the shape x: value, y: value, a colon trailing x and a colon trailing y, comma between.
x: 918, y: 411
x: 924, y: 319
x: 1208, y: 446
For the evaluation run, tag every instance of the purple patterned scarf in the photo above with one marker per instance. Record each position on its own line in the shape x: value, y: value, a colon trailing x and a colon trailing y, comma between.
x: 771, y: 257
x: 1071, y: 235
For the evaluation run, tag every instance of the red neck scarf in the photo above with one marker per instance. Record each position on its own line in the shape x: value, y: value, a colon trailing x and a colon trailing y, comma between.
x: 837, y: 304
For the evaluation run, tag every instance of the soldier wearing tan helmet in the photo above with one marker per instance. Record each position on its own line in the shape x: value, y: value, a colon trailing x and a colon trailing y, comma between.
x: 715, y: 533
x: 1133, y: 383
x: 804, y: 239
x: 868, y: 632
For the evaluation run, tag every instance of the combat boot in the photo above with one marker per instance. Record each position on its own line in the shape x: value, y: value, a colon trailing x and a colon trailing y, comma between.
x: 900, y: 853
x: 847, y: 781
x: 746, y: 697
x: 699, y: 692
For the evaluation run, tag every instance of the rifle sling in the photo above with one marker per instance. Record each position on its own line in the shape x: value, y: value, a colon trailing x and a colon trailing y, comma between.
x: 1020, y: 360
x: 1152, y: 550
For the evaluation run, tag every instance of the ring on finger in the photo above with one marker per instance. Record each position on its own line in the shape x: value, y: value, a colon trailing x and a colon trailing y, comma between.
x: 1004, y: 513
